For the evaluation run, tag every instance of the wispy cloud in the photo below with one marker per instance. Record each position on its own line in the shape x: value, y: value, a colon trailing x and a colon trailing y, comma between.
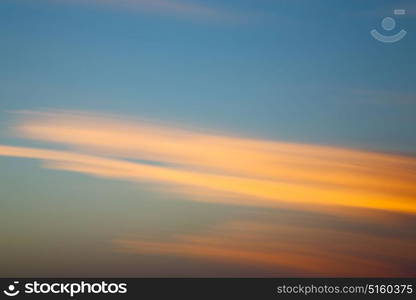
x: 240, y: 171
x: 300, y: 250
x: 180, y: 8
x: 334, y: 211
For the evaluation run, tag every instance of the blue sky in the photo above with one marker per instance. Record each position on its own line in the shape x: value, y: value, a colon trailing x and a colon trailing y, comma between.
x: 293, y: 70
x: 270, y: 71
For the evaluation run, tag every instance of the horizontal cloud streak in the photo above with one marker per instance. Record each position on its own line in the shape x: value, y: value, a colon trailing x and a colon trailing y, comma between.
x: 346, y: 212
x: 305, y: 251
x: 259, y: 172
x: 180, y: 8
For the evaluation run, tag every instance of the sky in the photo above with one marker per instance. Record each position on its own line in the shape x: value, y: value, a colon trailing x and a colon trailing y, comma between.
x: 154, y: 138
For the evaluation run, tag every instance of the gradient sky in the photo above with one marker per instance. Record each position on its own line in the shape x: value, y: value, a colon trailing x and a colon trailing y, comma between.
x: 208, y: 130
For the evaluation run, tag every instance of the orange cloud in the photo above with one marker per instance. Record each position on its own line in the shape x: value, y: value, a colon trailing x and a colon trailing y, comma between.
x: 305, y: 251
x: 376, y: 189
x: 261, y: 192
x: 253, y: 172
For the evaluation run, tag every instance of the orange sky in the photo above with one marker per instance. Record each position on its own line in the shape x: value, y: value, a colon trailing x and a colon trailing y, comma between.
x: 361, y: 187
x: 260, y: 172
